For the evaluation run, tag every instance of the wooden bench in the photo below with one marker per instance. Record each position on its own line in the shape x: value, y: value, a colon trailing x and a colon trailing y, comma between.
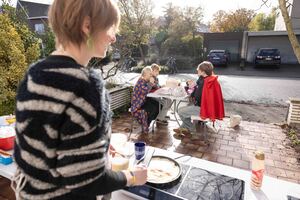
x: 120, y: 96
x: 198, y: 122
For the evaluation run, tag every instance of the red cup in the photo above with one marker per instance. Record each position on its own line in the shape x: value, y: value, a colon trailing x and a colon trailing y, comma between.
x: 7, y: 143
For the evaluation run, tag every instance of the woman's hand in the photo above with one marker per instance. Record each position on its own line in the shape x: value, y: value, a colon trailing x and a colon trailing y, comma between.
x: 111, y: 151
x: 137, y: 176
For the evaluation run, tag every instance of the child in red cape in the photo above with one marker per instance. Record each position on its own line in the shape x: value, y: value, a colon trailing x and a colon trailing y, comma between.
x: 212, y: 103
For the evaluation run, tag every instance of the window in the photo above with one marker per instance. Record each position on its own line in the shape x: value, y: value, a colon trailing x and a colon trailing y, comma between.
x: 39, y: 28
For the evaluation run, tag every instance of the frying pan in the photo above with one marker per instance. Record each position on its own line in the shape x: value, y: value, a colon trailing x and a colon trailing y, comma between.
x: 169, y: 183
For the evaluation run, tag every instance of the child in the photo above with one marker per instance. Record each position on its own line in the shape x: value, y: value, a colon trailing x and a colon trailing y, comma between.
x: 143, y: 108
x: 166, y: 103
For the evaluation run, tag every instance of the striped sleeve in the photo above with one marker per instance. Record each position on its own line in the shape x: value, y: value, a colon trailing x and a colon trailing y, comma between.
x: 62, y: 134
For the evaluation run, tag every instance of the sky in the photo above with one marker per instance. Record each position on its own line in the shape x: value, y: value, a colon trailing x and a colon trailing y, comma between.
x: 209, y: 6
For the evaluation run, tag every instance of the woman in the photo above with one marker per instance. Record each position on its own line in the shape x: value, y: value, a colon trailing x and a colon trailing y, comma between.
x: 144, y: 109
x: 63, y: 117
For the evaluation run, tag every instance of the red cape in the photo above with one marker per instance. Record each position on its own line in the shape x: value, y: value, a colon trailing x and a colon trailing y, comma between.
x: 212, y: 104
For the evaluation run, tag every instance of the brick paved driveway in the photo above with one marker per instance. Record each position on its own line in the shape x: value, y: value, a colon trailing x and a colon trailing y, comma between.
x: 233, y: 147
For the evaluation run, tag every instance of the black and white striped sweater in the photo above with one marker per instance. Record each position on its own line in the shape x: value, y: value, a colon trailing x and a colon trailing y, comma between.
x: 63, y: 130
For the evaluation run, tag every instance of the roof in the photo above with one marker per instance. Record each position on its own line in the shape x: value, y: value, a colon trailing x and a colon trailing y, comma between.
x: 270, y: 33
x: 34, y: 10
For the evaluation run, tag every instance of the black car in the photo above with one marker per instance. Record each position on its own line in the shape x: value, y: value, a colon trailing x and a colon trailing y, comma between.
x: 218, y: 57
x: 267, y: 56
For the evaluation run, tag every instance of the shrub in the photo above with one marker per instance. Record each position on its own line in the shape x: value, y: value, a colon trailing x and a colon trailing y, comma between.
x: 12, y: 64
x: 18, y: 48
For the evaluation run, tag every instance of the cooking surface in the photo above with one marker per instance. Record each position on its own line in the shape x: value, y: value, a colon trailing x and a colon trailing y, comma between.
x: 196, y: 184
x: 201, y: 184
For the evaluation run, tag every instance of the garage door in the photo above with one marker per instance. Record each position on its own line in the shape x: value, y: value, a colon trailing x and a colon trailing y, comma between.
x: 232, y: 46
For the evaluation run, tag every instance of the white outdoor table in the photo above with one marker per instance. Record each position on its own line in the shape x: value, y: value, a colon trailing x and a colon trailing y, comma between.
x: 272, y: 188
x: 175, y: 101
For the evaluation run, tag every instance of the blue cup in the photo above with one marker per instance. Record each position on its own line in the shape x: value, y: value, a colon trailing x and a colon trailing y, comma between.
x: 139, y: 148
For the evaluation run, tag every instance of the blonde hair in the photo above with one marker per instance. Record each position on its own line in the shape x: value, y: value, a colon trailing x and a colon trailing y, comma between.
x: 66, y: 18
x: 155, y: 66
x: 146, y: 70
x: 206, y: 67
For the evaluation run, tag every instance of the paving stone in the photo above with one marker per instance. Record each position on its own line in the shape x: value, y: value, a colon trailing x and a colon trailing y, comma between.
x: 226, y: 137
x: 269, y: 162
x: 197, y: 154
x: 220, y: 141
x: 249, y: 147
x: 241, y: 164
x: 235, y: 155
x: 210, y: 157
x: 295, y: 174
x: 226, y: 147
x: 192, y: 146
x: 276, y: 171
x: 224, y: 160
x: 202, y: 148
x: 255, y: 142
x: 219, y: 152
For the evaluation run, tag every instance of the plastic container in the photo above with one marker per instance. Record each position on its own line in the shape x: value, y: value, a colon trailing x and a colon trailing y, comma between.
x: 5, y: 158
x: 7, y: 137
x: 258, y: 168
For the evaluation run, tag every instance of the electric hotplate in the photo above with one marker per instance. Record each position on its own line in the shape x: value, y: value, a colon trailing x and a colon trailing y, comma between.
x: 194, y: 184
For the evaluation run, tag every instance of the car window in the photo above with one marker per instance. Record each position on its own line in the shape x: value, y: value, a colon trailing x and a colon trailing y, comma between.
x: 268, y: 52
x: 218, y: 54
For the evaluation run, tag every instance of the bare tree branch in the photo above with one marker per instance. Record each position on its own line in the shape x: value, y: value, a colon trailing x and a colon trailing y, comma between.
x: 264, y: 3
x: 116, y: 67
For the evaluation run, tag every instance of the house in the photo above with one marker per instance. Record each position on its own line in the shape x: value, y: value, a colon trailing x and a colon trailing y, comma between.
x: 37, y: 14
x: 294, y: 13
x: 270, y: 39
x: 230, y: 41
x: 244, y: 45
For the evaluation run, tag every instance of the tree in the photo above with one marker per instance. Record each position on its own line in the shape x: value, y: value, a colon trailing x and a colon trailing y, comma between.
x: 29, y: 39
x: 48, y: 39
x: 137, y: 23
x: 18, y: 48
x: 181, y: 28
x: 12, y: 63
x: 219, y: 21
x: 283, y: 5
x: 237, y: 21
x: 263, y: 22
x: 193, y: 17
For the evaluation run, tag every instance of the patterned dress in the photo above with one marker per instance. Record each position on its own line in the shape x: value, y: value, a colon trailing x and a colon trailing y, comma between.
x: 139, y: 98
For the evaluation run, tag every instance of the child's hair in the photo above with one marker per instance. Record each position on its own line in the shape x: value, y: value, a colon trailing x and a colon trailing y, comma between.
x: 206, y: 67
x: 146, y: 69
x: 155, y: 66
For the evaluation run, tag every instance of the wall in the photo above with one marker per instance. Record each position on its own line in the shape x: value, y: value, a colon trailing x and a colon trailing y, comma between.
x: 224, y: 41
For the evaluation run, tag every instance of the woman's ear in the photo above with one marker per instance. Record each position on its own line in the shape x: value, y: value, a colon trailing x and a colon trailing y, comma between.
x: 86, y: 25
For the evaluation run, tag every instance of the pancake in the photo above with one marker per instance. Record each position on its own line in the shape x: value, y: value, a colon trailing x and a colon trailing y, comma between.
x: 162, y: 170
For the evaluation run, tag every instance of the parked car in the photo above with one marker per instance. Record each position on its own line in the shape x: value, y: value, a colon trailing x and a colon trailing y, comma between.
x: 218, y: 57
x: 267, y: 56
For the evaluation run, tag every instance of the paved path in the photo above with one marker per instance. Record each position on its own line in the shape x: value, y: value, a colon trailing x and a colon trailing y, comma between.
x: 233, y: 147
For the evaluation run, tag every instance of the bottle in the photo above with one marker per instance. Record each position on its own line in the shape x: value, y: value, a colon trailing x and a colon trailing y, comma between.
x: 258, y: 168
